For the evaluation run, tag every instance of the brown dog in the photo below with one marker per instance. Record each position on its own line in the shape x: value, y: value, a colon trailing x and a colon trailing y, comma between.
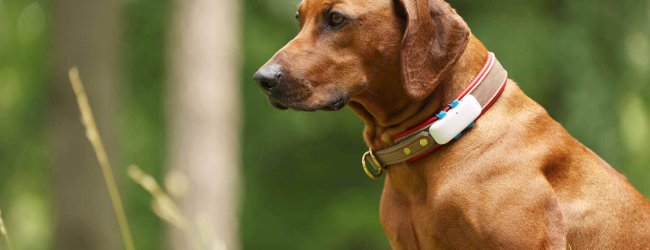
x: 517, y: 180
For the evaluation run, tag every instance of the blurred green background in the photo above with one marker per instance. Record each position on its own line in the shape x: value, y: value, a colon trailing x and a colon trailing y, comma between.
x: 586, y: 62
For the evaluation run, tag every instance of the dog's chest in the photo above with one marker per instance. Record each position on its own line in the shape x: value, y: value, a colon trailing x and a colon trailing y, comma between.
x: 423, y: 224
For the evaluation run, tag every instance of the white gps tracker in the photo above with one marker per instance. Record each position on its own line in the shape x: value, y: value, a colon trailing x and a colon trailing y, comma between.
x: 456, y: 120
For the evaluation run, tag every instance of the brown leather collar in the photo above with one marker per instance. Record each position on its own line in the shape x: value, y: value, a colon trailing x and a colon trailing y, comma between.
x: 418, y: 142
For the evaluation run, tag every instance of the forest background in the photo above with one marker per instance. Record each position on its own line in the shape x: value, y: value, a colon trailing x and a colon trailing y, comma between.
x: 273, y: 179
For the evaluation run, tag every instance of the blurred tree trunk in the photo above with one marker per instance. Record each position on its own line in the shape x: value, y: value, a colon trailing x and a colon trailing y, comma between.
x: 86, y: 34
x: 204, y: 119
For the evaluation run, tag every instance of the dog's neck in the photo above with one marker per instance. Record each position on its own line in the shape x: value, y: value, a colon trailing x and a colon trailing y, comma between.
x: 388, y: 110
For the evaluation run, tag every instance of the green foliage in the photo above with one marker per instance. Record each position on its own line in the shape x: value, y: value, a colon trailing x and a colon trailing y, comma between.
x: 24, y: 176
x: 143, y: 106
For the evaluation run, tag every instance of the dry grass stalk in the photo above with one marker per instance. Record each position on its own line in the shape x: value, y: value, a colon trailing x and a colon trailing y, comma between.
x: 93, y: 136
x: 162, y: 203
x: 3, y: 232
x: 206, y: 232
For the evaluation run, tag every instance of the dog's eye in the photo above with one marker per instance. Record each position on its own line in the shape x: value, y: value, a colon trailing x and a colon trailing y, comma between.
x: 335, y: 19
x: 297, y: 15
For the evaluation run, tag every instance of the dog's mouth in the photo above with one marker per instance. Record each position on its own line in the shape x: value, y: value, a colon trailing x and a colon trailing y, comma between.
x: 336, y: 104
x: 277, y: 104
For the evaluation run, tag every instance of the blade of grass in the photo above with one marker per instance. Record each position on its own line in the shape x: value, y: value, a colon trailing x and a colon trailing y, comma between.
x: 96, y: 141
x: 163, y: 205
x: 3, y: 232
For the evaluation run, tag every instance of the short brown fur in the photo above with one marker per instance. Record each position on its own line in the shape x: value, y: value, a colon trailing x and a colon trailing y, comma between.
x: 517, y: 180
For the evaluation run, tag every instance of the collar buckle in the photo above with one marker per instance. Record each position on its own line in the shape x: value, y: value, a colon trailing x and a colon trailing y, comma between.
x: 377, y: 168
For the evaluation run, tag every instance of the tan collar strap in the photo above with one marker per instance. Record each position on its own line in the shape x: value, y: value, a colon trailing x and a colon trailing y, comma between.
x: 447, y: 125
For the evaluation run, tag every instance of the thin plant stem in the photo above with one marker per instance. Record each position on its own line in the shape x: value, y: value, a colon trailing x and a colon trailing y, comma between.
x: 163, y: 205
x: 3, y: 232
x: 95, y: 140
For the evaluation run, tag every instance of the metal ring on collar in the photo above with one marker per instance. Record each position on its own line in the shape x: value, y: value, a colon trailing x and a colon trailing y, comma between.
x: 378, y: 169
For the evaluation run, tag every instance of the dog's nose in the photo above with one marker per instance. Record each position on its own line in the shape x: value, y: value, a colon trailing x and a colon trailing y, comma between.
x: 268, y: 77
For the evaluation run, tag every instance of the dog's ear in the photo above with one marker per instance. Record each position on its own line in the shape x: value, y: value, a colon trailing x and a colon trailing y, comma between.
x: 434, y: 38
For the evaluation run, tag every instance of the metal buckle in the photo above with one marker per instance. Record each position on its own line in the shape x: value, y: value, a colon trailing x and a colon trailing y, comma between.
x: 378, y: 169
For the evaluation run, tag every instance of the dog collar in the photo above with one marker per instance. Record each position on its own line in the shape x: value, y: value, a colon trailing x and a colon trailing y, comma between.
x: 446, y: 126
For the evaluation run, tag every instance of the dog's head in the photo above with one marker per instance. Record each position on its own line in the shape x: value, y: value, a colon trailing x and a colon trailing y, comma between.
x: 347, y: 47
